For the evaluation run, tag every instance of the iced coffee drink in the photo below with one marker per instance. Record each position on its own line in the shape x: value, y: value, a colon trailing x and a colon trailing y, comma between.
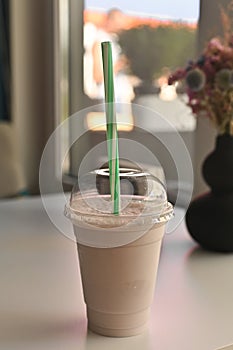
x: 119, y: 254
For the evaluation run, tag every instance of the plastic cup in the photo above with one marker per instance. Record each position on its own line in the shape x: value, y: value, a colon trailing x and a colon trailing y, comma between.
x: 119, y: 255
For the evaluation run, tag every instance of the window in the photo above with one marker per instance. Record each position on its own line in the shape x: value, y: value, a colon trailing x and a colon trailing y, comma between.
x: 170, y: 35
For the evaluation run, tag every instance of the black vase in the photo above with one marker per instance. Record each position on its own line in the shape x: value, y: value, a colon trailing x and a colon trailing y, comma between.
x: 209, y: 217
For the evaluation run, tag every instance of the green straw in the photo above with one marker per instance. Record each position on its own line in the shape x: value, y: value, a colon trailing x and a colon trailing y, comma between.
x: 111, y: 132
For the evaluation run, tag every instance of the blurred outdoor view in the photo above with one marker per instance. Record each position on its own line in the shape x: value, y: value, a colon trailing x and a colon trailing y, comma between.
x: 149, y: 40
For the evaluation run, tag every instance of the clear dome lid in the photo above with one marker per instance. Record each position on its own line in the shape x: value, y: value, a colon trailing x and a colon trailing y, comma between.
x: 141, y: 195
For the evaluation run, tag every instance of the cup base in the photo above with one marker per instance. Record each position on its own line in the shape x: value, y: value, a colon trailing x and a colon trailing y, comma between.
x: 118, y: 325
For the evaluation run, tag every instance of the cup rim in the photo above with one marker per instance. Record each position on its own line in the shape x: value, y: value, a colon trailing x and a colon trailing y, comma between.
x: 149, y: 217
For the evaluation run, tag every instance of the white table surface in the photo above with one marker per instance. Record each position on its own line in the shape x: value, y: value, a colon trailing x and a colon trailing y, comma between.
x: 41, y: 302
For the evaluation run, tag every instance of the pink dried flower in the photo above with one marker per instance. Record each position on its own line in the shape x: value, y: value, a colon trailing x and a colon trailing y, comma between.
x: 178, y: 75
x: 195, y: 79
x: 215, y: 45
x: 209, y: 83
x: 224, y: 78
